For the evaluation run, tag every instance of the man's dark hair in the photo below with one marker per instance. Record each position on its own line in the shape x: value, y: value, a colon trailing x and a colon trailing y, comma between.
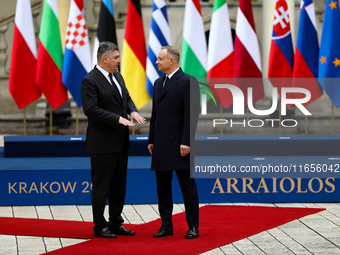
x: 105, y: 48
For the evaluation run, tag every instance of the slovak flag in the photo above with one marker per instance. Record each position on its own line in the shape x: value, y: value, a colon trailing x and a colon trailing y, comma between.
x: 281, y: 55
x: 77, y: 57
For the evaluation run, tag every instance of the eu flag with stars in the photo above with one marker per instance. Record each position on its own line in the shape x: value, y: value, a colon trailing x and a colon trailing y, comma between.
x: 329, y: 55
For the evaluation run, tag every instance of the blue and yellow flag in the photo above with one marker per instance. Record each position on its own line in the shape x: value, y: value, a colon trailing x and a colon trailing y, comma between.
x: 329, y: 55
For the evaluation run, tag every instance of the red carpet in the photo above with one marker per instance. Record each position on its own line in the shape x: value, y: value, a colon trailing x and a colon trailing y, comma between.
x: 219, y: 225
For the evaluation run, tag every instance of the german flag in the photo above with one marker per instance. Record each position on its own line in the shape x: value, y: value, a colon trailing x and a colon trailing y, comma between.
x: 134, y: 55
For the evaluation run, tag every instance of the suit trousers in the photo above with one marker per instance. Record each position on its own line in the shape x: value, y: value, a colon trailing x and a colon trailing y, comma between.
x: 108, y: 175
x: 190, y: 196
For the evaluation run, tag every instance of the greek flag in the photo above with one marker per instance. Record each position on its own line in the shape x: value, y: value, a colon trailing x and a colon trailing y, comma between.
x: 159, y: 36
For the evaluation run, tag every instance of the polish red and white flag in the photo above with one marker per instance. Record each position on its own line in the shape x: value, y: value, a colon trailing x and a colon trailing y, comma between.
x: 23, y: 65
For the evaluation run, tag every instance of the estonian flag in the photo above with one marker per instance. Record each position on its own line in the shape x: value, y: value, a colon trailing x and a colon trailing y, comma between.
x: 106, y: 30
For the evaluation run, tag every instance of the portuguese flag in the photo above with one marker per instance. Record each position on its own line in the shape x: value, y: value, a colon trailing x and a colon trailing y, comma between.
x: 50, y: 57
x: 134, y: 55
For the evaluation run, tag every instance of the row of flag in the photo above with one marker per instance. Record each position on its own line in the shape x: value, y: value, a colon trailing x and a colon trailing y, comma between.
x: 50, y: 71
x: 242, y: 59
x: 47, y: 70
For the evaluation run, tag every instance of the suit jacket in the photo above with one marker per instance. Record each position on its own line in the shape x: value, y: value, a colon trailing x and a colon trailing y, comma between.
x: 170, y: 122
x: 103, y: 106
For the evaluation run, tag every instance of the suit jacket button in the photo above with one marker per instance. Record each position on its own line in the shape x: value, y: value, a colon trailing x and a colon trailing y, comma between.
x: 159, y: 115
x: 160, y: 101
x: 159, y: 130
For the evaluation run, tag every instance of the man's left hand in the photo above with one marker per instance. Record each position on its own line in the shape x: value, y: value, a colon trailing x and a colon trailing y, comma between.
x: 185, y: 149
x: 136, y: 117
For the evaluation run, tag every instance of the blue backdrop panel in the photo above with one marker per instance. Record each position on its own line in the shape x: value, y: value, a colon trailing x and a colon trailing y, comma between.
x: 46, y: 177
x: 45, y: 146
x: 266, y: 166
x: 268, y: 190
x: 62, y: 146
x: 267, y: 145
x: 68, y: 187
x: 205, y: 145
x: 67, y: 181
x: 40, y: 187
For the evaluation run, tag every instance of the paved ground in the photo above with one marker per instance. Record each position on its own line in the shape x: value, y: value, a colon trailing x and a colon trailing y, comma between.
x: 314, y: 234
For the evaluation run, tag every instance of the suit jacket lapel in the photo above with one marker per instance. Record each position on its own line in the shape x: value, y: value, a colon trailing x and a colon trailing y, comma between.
x: 172, y: 82
x: 108, y: 85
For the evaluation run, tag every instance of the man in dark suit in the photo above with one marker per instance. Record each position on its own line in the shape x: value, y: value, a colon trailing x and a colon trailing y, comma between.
x: 169, y: 141
x: 106, y: 103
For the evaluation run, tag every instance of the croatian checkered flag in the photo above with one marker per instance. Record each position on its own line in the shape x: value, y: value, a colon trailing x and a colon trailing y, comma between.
x: 77, y: 57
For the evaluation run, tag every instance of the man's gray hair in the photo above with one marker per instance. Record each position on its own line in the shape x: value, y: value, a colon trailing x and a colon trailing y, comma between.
x: 172, y: 52
x: 105, y: 48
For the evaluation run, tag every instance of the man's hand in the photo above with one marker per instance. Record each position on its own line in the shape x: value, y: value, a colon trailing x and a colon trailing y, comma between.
x: 136, y: 117
x: 185, y: 149
x: 150, y: 148
x: 125, y: 122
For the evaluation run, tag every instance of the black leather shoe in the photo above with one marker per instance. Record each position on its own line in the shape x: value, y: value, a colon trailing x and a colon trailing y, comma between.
x: 121, y: 230
x: 192, y: 233
x: 105, y: 233
x: 164, y: 231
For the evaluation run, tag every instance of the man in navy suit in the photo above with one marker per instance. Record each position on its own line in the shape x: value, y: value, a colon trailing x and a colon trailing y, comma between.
x: 106, y: 103
x: 169, y: 140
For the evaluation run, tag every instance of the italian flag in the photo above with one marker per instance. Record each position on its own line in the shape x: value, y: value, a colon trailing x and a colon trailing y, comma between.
x: 220, y: 51
x: 24, y: 57
x: 134, y: 55
x: 50, y: 57
x: 194, y: 45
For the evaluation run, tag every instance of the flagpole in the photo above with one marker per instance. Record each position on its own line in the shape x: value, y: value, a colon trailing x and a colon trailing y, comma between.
x: 51, y: 119
x: 279, y: 116
x: 221, y: 115
x: 24, y: 120
x: 306, y: 124
x: 247, y: 121
x: 332, y: 118
x: 77, y: 120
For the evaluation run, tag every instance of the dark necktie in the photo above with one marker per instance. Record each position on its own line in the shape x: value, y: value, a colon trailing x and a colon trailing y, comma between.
x: 114, y: 85
x: 165, y: 81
